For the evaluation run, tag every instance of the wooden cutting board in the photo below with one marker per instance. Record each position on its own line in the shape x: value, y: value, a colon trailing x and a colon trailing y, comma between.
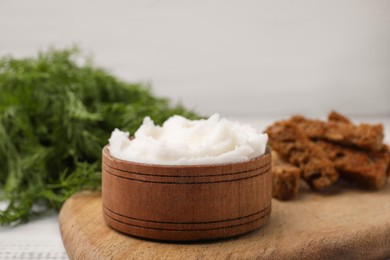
x: 344, y: 223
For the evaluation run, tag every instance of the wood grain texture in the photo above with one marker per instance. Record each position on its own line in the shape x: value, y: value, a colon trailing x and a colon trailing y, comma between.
x: 186, y: 203
x: 343, y: 224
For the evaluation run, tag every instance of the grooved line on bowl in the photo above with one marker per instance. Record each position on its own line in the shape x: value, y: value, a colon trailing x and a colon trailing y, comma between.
x: 189, y: 230
x: 207, y: 182
x: 186, y: 223
x: 187, y: 176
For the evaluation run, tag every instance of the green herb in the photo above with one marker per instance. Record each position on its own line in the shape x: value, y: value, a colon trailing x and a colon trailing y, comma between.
x: 55, y: 117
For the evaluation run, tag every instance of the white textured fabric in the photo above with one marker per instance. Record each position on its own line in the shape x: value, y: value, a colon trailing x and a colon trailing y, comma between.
x: 32, y: 250
x: 38, y: 239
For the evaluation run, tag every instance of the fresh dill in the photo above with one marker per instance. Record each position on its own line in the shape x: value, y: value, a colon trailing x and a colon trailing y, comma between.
x: 55, y: 117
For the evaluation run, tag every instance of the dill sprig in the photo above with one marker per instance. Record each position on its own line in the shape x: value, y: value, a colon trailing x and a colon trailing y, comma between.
x: 55, y: 116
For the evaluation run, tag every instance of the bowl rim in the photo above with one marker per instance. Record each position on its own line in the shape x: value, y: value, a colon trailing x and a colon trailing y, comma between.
x: 265, y: 155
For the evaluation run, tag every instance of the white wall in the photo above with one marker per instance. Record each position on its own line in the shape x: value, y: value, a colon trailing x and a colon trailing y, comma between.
x: 238, y: 58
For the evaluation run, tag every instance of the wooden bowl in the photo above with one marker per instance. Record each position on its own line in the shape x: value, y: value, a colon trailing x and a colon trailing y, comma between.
x: 186, y: 202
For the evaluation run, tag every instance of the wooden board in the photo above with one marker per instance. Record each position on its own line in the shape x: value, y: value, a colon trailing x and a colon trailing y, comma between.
x: 342, y: 224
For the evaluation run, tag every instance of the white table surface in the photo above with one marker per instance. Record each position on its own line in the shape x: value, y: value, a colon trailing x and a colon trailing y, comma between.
x: 41, y: 238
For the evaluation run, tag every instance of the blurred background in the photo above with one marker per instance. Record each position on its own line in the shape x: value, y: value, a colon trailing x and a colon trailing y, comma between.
x: 238, y: 58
